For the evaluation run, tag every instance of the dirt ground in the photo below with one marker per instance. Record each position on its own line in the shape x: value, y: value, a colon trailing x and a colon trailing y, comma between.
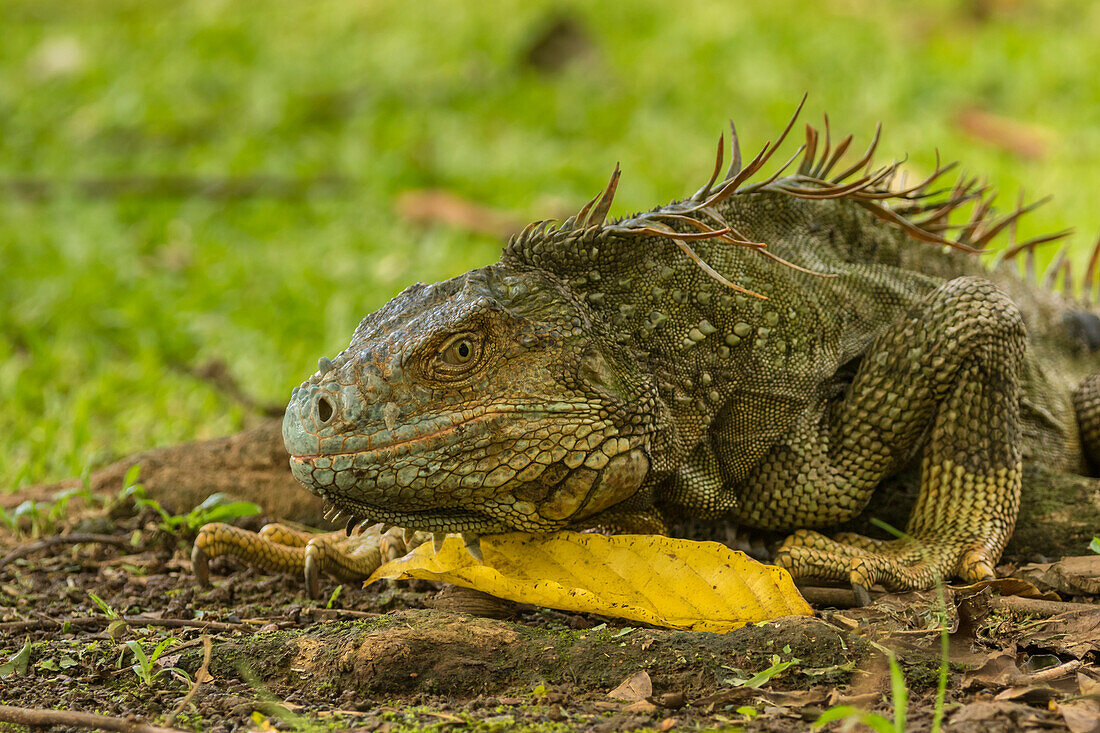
x: 100, y: 614
x: 394, y: 658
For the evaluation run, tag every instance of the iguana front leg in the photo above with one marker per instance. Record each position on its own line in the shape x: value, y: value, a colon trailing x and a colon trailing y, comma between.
x: 280, y: 548
x: 944, y: 380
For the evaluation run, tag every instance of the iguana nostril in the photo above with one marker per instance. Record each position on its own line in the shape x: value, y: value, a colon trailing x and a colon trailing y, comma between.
x: 324, y: 410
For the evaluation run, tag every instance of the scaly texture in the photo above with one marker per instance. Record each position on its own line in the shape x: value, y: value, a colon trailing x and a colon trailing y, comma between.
x: 763, y: 352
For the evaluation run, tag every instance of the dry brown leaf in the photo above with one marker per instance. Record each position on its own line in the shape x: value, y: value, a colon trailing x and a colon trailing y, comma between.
x: 1074, y: 634
x: 1081, y: 716
x: 862, y: 700
x: 1072, y: 575
x: 814, y: 697
x: 436, y: 206
x: 673, y: 700
x: 703, y: 586
x: 986, y: 712
x: 1025, y: 140
x: 1006, y: 587
x: 1087, y: 686
x: 1030, y: 694
x: 636, y: 687
x: 999, y: 669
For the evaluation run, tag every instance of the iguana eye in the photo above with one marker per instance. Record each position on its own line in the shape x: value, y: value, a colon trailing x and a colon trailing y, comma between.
x: 461, y: 351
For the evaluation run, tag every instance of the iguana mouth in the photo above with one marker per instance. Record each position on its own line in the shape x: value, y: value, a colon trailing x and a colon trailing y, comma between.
x: 429, y: 520
x: 439, y: 438
x: 448, y: 430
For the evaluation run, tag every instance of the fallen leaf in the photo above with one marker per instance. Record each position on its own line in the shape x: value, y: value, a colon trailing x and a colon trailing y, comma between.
x: 1026, y: 141
x: 1075, y: 634
x: 798, y: 698
x: 862, y: 700
x: 1032, y: 695
x: 1020, y: 716
x: 641, y: 706
x: 436, y: 206
x: 672, y: 700
x: 1006, y: 587
x: 1070, y: 575
x: 725, y: 698
x: 17, y: 663
x: 680, y: 584
x: 999, y: 669
x: 1081, y: 716
x: 1088, y: 687
x: 634, y: 688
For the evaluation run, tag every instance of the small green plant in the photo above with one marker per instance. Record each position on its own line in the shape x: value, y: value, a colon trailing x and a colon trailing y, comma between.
x: 758, y: 679
x: 42, y: 516
x: 103, y: 606
x: 1094, y: 545
x: 145, y: 665
x: 879, y: 723
x: 945, y: 651
x: 217, y: 507
x: 117, y: 626
x: 9, y: 521
x: 34, y: 513
x: 272, y: 706
x: 17, y: 663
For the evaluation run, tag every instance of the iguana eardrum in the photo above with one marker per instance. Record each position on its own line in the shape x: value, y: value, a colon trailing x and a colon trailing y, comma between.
x: 765, y: 353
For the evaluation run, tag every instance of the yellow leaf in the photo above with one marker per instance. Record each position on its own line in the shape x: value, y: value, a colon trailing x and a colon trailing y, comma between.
x: 680, y: 584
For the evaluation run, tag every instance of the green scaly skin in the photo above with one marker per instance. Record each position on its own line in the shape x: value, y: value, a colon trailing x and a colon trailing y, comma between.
x: 626, y: 374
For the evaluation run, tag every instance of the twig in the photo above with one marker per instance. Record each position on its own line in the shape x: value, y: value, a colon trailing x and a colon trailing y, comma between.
x: 1039, y: 607
x: 845, y: 598
x: 201, y: 677
x: 67, y: 539
x: 173, y: 186
x: 171, y: 623
x: 45, y: 718
x: 1046, y: 675
x: 184, y: 645
x: 337, y: 613
x: 817, y: 595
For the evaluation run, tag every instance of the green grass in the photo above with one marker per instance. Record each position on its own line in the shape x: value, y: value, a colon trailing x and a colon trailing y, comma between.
x: 106, y: 300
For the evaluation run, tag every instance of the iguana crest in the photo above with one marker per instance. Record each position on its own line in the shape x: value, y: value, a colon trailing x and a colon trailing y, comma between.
x: 921, y: 210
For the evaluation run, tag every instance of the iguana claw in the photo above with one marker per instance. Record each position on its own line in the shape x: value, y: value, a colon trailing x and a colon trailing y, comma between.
x: 473, y: 546
x: 346, y: 557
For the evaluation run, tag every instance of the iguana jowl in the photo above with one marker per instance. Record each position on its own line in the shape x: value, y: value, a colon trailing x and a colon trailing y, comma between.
x: 765, y: 352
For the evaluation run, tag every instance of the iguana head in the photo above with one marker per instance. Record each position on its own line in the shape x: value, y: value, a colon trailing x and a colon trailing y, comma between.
x: 486, y: 403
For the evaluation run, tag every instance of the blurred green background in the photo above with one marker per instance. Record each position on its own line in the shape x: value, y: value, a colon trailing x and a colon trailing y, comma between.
x: 199, y: 193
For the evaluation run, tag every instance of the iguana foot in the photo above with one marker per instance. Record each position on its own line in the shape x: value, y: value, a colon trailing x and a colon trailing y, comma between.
x: 903, y: 564
x: 280, y: 548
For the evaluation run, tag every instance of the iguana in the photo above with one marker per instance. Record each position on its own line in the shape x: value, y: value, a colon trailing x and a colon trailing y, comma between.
x: 764, y: 353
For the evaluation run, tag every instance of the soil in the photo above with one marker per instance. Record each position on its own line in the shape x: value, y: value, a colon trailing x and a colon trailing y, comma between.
x: 399, y: 657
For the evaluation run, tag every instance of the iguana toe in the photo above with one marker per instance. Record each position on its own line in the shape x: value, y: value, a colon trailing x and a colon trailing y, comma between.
x: 280, y: 548
x: 898, y: 565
